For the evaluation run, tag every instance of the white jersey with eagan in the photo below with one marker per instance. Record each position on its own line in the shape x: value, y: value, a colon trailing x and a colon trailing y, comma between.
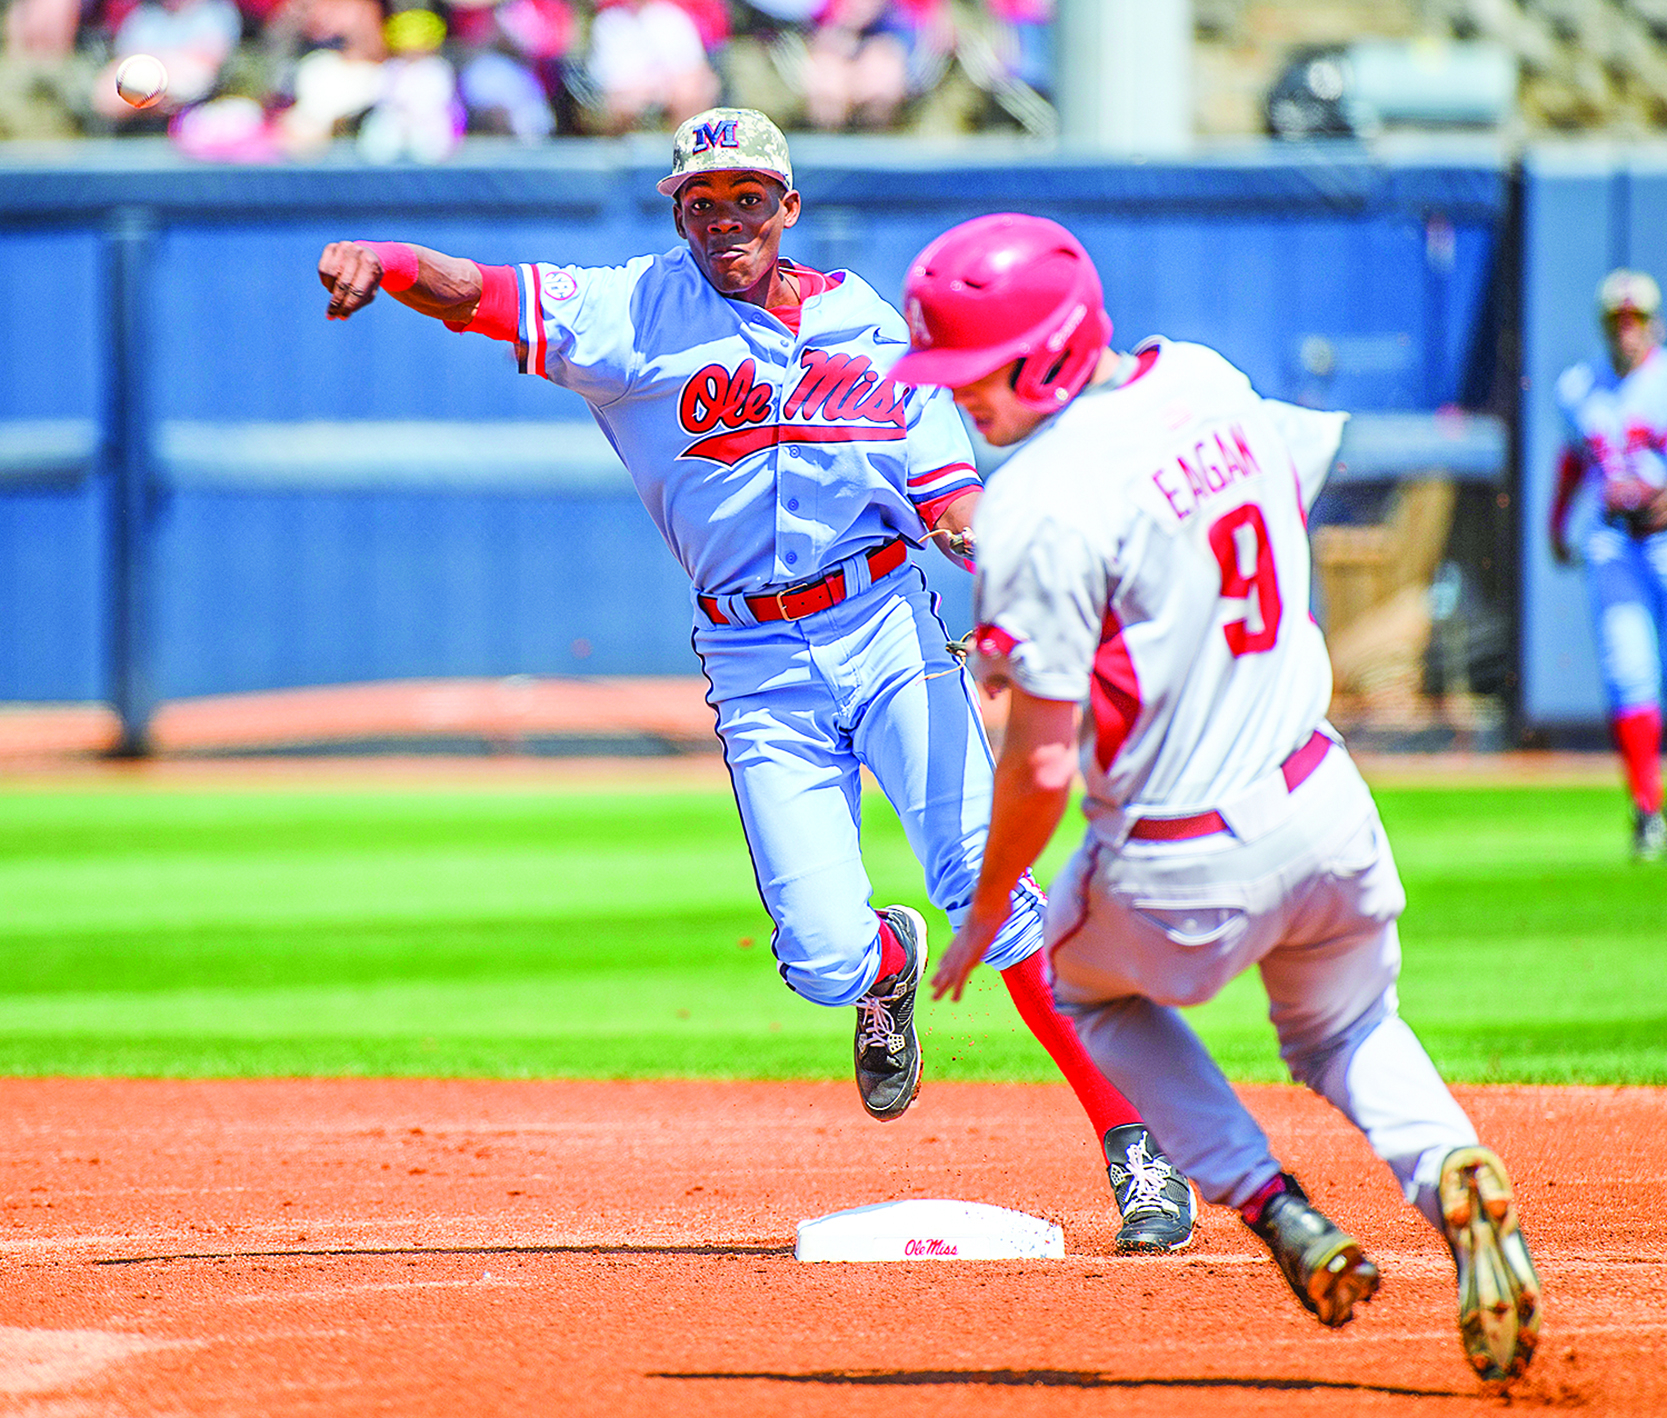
x: 1145, y: 554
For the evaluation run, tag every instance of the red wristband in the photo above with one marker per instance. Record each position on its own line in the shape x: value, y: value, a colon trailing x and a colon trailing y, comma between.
x: 399, y: 263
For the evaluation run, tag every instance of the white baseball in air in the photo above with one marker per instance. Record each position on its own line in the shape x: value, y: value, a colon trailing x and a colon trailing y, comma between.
x: 141, y: 80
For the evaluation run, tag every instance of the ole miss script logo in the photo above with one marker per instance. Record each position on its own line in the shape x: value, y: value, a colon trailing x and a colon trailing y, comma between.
x: 841, y: 398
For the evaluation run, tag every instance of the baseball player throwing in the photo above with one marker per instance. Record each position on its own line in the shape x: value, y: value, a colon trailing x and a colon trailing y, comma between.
x: 1143, y: 591
x: 1617, y: 433
x: 746, y: 394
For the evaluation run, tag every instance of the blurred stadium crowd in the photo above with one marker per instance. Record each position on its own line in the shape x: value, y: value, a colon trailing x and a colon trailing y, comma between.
x: 266, y: 80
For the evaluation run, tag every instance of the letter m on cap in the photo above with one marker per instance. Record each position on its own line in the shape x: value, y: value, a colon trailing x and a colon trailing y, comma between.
x: 716, y: 135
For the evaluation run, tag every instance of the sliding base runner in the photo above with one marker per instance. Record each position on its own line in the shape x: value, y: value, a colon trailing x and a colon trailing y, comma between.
x: 1143, y: 593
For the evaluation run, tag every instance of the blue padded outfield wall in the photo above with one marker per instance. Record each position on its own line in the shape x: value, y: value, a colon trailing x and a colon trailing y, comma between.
x: 205, y: 487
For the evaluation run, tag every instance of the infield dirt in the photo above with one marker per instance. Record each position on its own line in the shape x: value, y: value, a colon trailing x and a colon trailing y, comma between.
x: 348, y: 1247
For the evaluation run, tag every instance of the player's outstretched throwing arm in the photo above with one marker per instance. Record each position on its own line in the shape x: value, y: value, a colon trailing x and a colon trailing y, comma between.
x: 465, y: 295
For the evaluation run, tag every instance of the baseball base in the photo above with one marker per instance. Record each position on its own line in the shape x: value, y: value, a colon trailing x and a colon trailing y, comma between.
x: 928, y: 1229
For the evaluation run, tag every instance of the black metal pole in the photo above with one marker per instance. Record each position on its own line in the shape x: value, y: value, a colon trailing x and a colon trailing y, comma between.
x: 128, y: 443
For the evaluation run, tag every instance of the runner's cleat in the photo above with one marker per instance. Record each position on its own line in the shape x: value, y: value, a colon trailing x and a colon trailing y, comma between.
x: 1322, y: 1265
x: 1158, y: 1204
x: 1499, y: 1290
x: 1649, y: 837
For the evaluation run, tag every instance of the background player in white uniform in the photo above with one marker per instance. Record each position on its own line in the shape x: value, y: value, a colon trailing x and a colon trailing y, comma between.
x: 1617, y: 432
x: 746, y: 394
x: 1144, y: 572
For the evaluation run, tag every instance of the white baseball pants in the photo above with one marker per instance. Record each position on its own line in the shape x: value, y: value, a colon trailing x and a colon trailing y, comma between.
x: 1626, y: 586
x: 1312, y: 903
x: 802, y: 707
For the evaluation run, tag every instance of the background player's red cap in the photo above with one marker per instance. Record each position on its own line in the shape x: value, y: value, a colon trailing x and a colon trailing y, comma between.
x: 1003, y: 288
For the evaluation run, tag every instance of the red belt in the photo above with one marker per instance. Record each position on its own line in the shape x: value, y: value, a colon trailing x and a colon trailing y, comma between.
x: 1296, y: 769
x: 796, y: 602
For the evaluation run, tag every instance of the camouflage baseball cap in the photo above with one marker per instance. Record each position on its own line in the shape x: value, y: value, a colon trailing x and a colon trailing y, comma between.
x: 727, y: 140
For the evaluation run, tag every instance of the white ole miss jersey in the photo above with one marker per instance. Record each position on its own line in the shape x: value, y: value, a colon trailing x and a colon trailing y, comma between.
x: 1145, y: 554
x: 1618, y: 427
x: 765, y: 455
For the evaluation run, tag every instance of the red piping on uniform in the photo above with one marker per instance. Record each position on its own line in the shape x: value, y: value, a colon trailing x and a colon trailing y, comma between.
x: 1114, y: 694
x: 920, y: 479
x: 1304, y: 761
x: 533, y: 297
x: 932, y: 508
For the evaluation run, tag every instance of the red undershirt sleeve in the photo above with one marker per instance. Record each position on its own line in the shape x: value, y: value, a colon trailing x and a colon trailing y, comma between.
x: 933, y: 507
x: 1568, y: 479
x: 498, y: 316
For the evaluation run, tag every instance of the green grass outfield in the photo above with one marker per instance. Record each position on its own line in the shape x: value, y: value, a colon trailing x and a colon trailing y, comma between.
x: 504, y: 933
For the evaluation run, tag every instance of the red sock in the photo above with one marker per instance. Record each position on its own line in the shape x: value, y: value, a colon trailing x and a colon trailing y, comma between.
x: 1252, y: 1209
x: 892, y: 955
x: 1105, y: 1106
x: 1638, y: 737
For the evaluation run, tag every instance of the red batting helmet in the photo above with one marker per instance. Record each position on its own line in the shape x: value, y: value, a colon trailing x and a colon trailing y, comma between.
x: 1004, y: 288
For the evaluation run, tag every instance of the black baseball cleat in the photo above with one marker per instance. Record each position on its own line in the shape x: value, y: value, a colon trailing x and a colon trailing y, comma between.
x: 1499, y: 1291
x: 886, y: 1048
x: 1322, y: 1265
x: 1158, y: 1204
x: 1649, y: 837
